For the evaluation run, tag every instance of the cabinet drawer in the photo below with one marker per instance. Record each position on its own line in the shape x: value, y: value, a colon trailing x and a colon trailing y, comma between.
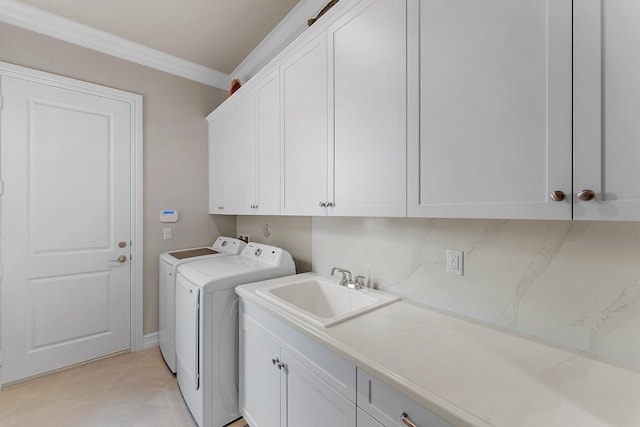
x: 387, y: 405
x: 365, y: 420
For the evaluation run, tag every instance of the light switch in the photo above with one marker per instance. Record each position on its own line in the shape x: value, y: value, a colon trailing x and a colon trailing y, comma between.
x: 168, y: 233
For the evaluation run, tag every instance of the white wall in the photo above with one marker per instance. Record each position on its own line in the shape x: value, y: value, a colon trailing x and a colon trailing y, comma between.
x: 572, y: 283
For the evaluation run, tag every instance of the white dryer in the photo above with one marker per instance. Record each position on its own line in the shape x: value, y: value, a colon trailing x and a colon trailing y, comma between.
x: 207, y: 327
x: 169, y: 262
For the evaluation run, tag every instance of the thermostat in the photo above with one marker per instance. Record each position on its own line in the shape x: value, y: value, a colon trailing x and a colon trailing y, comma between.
x: 169, y: 215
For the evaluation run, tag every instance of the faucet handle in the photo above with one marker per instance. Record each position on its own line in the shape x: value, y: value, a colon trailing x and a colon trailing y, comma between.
x: 360, y: 281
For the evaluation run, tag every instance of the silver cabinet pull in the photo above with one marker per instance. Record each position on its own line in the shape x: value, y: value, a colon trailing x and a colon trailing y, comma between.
x: 557, y: 196
x: 120, y: 259
x: 278, y: 363
x: 405, y: 419
x: 586, y: 195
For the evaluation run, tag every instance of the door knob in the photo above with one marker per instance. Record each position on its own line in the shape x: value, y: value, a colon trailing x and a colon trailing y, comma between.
x: 586, y: 195
x: 120, y: 259
x: 122, y: 244
x: 557, y: 196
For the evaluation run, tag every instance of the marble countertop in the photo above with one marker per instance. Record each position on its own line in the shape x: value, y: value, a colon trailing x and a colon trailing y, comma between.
x: 471, y: 374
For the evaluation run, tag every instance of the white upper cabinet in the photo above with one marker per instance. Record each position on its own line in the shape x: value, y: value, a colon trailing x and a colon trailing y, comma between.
x: 344, y: 116
x: 441, y: 108
x: 606, y: 109
x: 305, y: 157
x: 267, y: 186
x: 244, y: 151
x: 240, y: 150
x: 367, y: 56
x: 489, y: 109
x: 218, y: 139
x: 232, y: 155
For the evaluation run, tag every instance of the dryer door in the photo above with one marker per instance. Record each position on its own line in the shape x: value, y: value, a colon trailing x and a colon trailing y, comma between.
x: 187, y: 334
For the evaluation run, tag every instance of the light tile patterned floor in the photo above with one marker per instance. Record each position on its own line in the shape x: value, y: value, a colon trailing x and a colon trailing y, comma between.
x: 132, y: 389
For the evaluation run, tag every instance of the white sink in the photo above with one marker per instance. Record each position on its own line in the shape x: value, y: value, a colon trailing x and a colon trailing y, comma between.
x: 324, y: 302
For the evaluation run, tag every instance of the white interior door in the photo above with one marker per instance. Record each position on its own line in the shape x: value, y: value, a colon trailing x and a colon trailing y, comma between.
x: 65, y: 218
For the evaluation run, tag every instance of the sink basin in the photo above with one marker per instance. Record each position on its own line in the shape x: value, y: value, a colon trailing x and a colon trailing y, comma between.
x: 324, y: 302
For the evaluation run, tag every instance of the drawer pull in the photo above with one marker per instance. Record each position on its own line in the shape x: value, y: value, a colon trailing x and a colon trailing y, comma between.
x: 405, y: 419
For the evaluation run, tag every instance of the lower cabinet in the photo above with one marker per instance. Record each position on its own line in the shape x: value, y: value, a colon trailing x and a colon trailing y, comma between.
x: 286, y: 379
x: 380, y: 405
x: 259, y: 378
x: 289, y: 380
x: 309, y: 401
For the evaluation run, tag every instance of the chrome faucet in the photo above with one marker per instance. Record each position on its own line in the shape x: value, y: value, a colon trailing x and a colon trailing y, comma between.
x: 347, y: 279
x: 346, y: 275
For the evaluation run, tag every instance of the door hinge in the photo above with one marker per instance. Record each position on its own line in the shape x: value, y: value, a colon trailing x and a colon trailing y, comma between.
x: 1, y: 187
x: 1, y: 102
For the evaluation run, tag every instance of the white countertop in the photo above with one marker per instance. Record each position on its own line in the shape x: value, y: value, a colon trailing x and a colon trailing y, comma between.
x: 470, y: 374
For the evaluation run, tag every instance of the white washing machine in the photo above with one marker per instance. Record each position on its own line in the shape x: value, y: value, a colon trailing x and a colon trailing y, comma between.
x: 169, y: 261
x: 207, y: 327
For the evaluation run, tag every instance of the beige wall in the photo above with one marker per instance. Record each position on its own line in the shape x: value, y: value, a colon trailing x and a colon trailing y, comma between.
x: 287, y: 232
x: 175, y: 142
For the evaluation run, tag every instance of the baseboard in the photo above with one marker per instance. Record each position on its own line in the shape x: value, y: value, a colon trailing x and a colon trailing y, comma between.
x: 150, y: 340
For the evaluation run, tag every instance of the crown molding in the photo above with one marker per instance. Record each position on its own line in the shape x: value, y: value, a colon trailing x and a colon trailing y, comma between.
x: 33, y: 19
x: 282, y: 35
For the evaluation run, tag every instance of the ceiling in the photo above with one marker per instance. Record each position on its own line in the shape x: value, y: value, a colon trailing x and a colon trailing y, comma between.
x: 217, y: 34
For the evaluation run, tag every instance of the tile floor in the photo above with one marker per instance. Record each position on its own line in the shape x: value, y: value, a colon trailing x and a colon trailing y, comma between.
x: 131, y: 389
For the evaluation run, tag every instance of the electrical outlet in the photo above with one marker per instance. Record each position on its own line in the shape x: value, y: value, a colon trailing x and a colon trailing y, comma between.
x: 455, y: 262
x: 244, y: 237
x: 168, y: 233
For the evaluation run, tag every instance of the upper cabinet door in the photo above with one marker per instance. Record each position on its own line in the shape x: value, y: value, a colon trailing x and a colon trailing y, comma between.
x: 232, y: 155
x: 606, y: 109
x: 305, y: 160
x: 489, y: 108
x: 268, y: 145
x: 367, y: 54
x: 218, y: 128
x: 240, y: 160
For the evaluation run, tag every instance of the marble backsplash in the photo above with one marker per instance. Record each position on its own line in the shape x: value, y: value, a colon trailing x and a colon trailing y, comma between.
x: 569, y: 282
